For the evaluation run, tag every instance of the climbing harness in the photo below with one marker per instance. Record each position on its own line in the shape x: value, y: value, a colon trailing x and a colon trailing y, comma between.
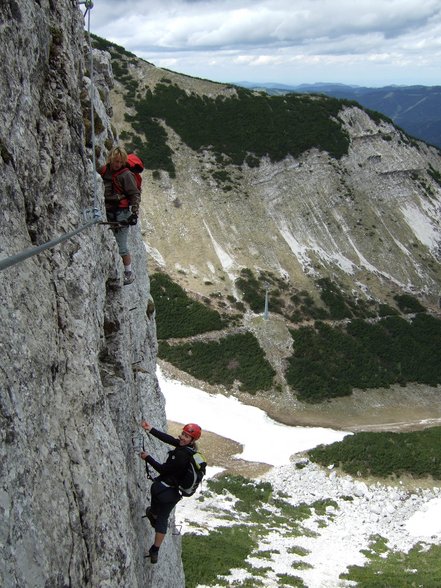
x: 148, y: 472
x: 92, y: 215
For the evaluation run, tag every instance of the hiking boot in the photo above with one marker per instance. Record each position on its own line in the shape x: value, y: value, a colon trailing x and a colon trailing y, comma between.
x: 153, y: 554
x: 151, y: 517
x: 129, y: 277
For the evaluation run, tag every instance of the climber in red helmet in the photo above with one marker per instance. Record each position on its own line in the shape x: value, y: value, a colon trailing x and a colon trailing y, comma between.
x: 164, y: 490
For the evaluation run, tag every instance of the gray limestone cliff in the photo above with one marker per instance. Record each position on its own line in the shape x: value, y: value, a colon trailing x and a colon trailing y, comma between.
x: 78, y: 350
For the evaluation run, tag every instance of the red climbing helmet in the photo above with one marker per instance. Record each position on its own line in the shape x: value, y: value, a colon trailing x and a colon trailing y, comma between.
x: 192, y: 430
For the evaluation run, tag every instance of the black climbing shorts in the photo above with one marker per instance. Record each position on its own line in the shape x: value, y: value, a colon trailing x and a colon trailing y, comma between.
x: 164, y: 499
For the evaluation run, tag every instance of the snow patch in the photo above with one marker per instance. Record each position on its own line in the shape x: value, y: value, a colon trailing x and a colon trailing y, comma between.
x: 340, y: 534
x: 365, y: 263
x: 225, y: 259
x: 300, y: 251
x: 336, y: 258
x: 247, y: 425
x: 154, y: 253
x: 427, y: 521
x: 421, y: 226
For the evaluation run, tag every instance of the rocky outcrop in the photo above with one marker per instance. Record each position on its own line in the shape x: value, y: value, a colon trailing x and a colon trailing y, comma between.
x: 369, y: 220
x: 78, y: 350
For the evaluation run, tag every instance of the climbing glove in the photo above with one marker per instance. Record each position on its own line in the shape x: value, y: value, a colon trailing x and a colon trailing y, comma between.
x: 133, y: 219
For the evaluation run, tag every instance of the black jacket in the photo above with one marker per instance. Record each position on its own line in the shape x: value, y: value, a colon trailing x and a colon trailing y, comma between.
x: 173, y: 470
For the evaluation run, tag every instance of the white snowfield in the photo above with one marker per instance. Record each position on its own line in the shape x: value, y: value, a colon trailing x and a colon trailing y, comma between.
x: 263, y: 439
x: 402, y: 517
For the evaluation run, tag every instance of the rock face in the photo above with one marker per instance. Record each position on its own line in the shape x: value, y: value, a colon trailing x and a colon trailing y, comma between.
x: 369, y: 220
x: 78, y: 351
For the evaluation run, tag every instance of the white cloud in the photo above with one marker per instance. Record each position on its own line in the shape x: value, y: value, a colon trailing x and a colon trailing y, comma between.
x: 273, y: 35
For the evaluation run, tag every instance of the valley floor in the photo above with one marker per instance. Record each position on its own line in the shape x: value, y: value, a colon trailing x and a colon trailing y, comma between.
x: 393, y: 409
x: 414, y: 407
x: 359, y: 513
x: 403, y: 513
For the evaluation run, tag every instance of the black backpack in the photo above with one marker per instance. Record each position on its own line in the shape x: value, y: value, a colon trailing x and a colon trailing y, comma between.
x: 194, y: 474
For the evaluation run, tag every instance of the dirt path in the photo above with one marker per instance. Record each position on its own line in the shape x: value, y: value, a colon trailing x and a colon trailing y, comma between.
x: 395, y: 409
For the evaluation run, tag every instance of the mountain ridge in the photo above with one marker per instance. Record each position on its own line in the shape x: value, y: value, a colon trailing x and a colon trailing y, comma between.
x: 366, y: 220
x: 415, y: 108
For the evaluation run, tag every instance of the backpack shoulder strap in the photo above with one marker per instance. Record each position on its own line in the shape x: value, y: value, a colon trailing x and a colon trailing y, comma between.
x: 117, y: 186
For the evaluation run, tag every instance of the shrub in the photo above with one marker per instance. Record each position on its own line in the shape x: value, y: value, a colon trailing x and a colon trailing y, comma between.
x: 177, y: 314
x: 385, y: 454
x: 408, y: 304
x: 252, y: 291
x: 155, y: 152
x: 329, y: 362
x: 434, y: 174
x: 247, y: 491
x: 386, y: 310
x: 113, y: 48
x: 206, y: 556
x: 247, y: 127
x: 236, y: 357
x: 334, y: 300
x: 420, y: 566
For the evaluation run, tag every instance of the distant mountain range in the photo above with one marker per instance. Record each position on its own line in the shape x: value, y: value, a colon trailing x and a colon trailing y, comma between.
x: 416, y: 109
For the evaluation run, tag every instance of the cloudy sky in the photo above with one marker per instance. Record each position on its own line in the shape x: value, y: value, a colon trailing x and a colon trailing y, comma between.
x: 364, y: 42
